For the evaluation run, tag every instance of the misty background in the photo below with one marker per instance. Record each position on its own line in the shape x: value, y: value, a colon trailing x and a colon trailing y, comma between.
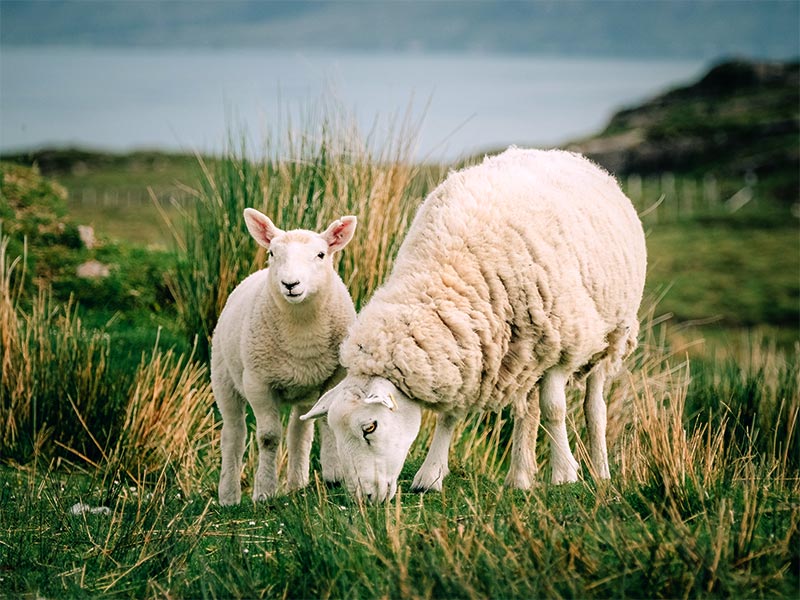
x: 473, y: 75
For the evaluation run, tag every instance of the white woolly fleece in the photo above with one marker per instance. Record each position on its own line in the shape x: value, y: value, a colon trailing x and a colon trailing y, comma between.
x: 292, y: 347
x: 529, y: 260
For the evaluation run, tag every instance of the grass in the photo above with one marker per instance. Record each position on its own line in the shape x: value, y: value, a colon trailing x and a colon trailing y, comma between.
x: 725, y: 270
x: 109, y: 406
x: 323, y: 173
x: 690, y: 511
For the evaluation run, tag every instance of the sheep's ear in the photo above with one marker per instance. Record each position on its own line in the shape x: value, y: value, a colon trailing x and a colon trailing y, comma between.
x: 339, y: 233
x: 260, y: 227
x: 385, y: 398
x: 320, y: 409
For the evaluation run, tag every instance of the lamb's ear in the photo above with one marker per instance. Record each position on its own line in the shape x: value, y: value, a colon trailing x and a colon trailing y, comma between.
x: 320, y: 409
x: 260, y: 227
x: 339, y: 233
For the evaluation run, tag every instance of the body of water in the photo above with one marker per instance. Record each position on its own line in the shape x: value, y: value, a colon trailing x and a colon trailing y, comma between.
x: 187, y: 100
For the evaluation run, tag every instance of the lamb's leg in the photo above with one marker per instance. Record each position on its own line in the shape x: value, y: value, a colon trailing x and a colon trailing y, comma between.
x: 268, y: 435
x: 554, y: 419
x: 523, y: 469
x: 232, y: 439
x: 299, y: 436
x: 328, y: 454
x: 435, y: 468
x: 594, y: 409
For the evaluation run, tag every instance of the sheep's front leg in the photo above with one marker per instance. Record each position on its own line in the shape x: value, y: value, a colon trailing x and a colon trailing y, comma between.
x: 232, y: 439
x: 435, y: 468
x: 299, y: 436
x: 328, y: 454
x: 523, y: 469
x: 332, y: 471
x: 594, y: 410
x: 554, y: 418
x: 268, y: 435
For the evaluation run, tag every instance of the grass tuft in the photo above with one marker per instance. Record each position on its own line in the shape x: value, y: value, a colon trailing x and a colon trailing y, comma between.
x: 318, y: 173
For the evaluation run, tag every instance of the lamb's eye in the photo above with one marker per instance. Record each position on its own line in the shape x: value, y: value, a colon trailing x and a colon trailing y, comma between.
x: 321, y: 255
x: 369, y: 428
x: 269, y: 253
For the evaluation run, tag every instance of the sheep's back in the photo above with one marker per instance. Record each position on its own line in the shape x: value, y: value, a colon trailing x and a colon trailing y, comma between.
x: 531, y: 259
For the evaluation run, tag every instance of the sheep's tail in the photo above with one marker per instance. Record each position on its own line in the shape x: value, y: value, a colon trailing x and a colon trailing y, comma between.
x: 621, y: 342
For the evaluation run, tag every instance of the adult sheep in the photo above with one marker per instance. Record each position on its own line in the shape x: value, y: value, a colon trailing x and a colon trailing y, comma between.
x: 277, y: 341
x: 520, y: 271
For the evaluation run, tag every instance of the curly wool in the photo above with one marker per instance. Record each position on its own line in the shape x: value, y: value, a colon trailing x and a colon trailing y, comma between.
x: 528, y: 260
x: 294, y: 348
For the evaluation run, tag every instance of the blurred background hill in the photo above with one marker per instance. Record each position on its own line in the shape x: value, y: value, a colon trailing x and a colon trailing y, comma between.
x: 704, y: 29
x: 739, y: 119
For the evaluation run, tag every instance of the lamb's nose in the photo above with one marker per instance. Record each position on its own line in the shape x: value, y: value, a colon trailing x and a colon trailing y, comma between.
x: 289, y: 286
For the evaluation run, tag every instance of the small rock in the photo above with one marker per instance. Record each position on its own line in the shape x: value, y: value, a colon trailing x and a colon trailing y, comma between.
x: 93, y: 269
x: 86, y: 233
x: 81, y: 508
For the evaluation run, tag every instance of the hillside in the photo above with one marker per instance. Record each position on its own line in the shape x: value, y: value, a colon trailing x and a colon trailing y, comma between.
x: 704, y: 30
x: 740, y: 118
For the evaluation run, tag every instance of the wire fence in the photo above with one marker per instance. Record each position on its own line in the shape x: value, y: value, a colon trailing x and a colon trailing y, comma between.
x: 666, y: 198
x: 130, y: 197
x: 663, y: 198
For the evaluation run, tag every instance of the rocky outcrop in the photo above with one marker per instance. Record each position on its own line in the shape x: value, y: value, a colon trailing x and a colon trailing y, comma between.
x: 741, y: 117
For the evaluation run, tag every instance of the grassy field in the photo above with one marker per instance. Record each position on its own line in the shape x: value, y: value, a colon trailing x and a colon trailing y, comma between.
x: 104, y: 401
x: 703, y: 502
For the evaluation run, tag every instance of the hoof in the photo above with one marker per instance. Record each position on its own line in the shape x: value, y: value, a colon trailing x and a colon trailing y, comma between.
x: 428, y: 482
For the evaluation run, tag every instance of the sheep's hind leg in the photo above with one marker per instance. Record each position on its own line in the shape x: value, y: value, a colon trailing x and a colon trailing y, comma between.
x: 268, y: 434
x: 594, y: 409
x: 523, y: 469
x: 232, y: 439
x: 435, y: 468
x: 553, y: 400
x: 299, y: 436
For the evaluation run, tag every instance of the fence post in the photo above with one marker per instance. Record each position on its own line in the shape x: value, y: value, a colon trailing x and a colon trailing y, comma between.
x: 668, y: 190
x: 689, y: 189
x: 710, y: 192
x: 635, y: 188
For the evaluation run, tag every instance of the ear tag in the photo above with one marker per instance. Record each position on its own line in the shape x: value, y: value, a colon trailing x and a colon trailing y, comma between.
x: 389, y: 402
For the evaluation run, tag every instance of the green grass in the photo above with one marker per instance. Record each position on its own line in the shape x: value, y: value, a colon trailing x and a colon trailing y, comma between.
x: 111, y: 192
x: 108, y: 403
x: 735, y: 272
x: 730, y: 533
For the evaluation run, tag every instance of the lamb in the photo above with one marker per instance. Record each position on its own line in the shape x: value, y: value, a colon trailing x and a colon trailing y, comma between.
x: 515, y: 275
x: 277, y: 342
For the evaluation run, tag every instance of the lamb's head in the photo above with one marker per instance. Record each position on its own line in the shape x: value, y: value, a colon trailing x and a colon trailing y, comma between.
x: 300, y: 261
x: 374, y: 424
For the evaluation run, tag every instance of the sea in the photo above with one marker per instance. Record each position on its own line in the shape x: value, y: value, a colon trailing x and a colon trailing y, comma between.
x: 197, y: 100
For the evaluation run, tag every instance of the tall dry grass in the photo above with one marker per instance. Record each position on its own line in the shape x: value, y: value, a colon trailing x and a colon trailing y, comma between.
x: 310, y: 176
x: 60, y: 398
x: 50, y: 363
x: 167, y: 427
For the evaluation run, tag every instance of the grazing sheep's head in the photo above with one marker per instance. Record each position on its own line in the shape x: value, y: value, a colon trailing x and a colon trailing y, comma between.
x: 300, y: 261
x: 375, y: 425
